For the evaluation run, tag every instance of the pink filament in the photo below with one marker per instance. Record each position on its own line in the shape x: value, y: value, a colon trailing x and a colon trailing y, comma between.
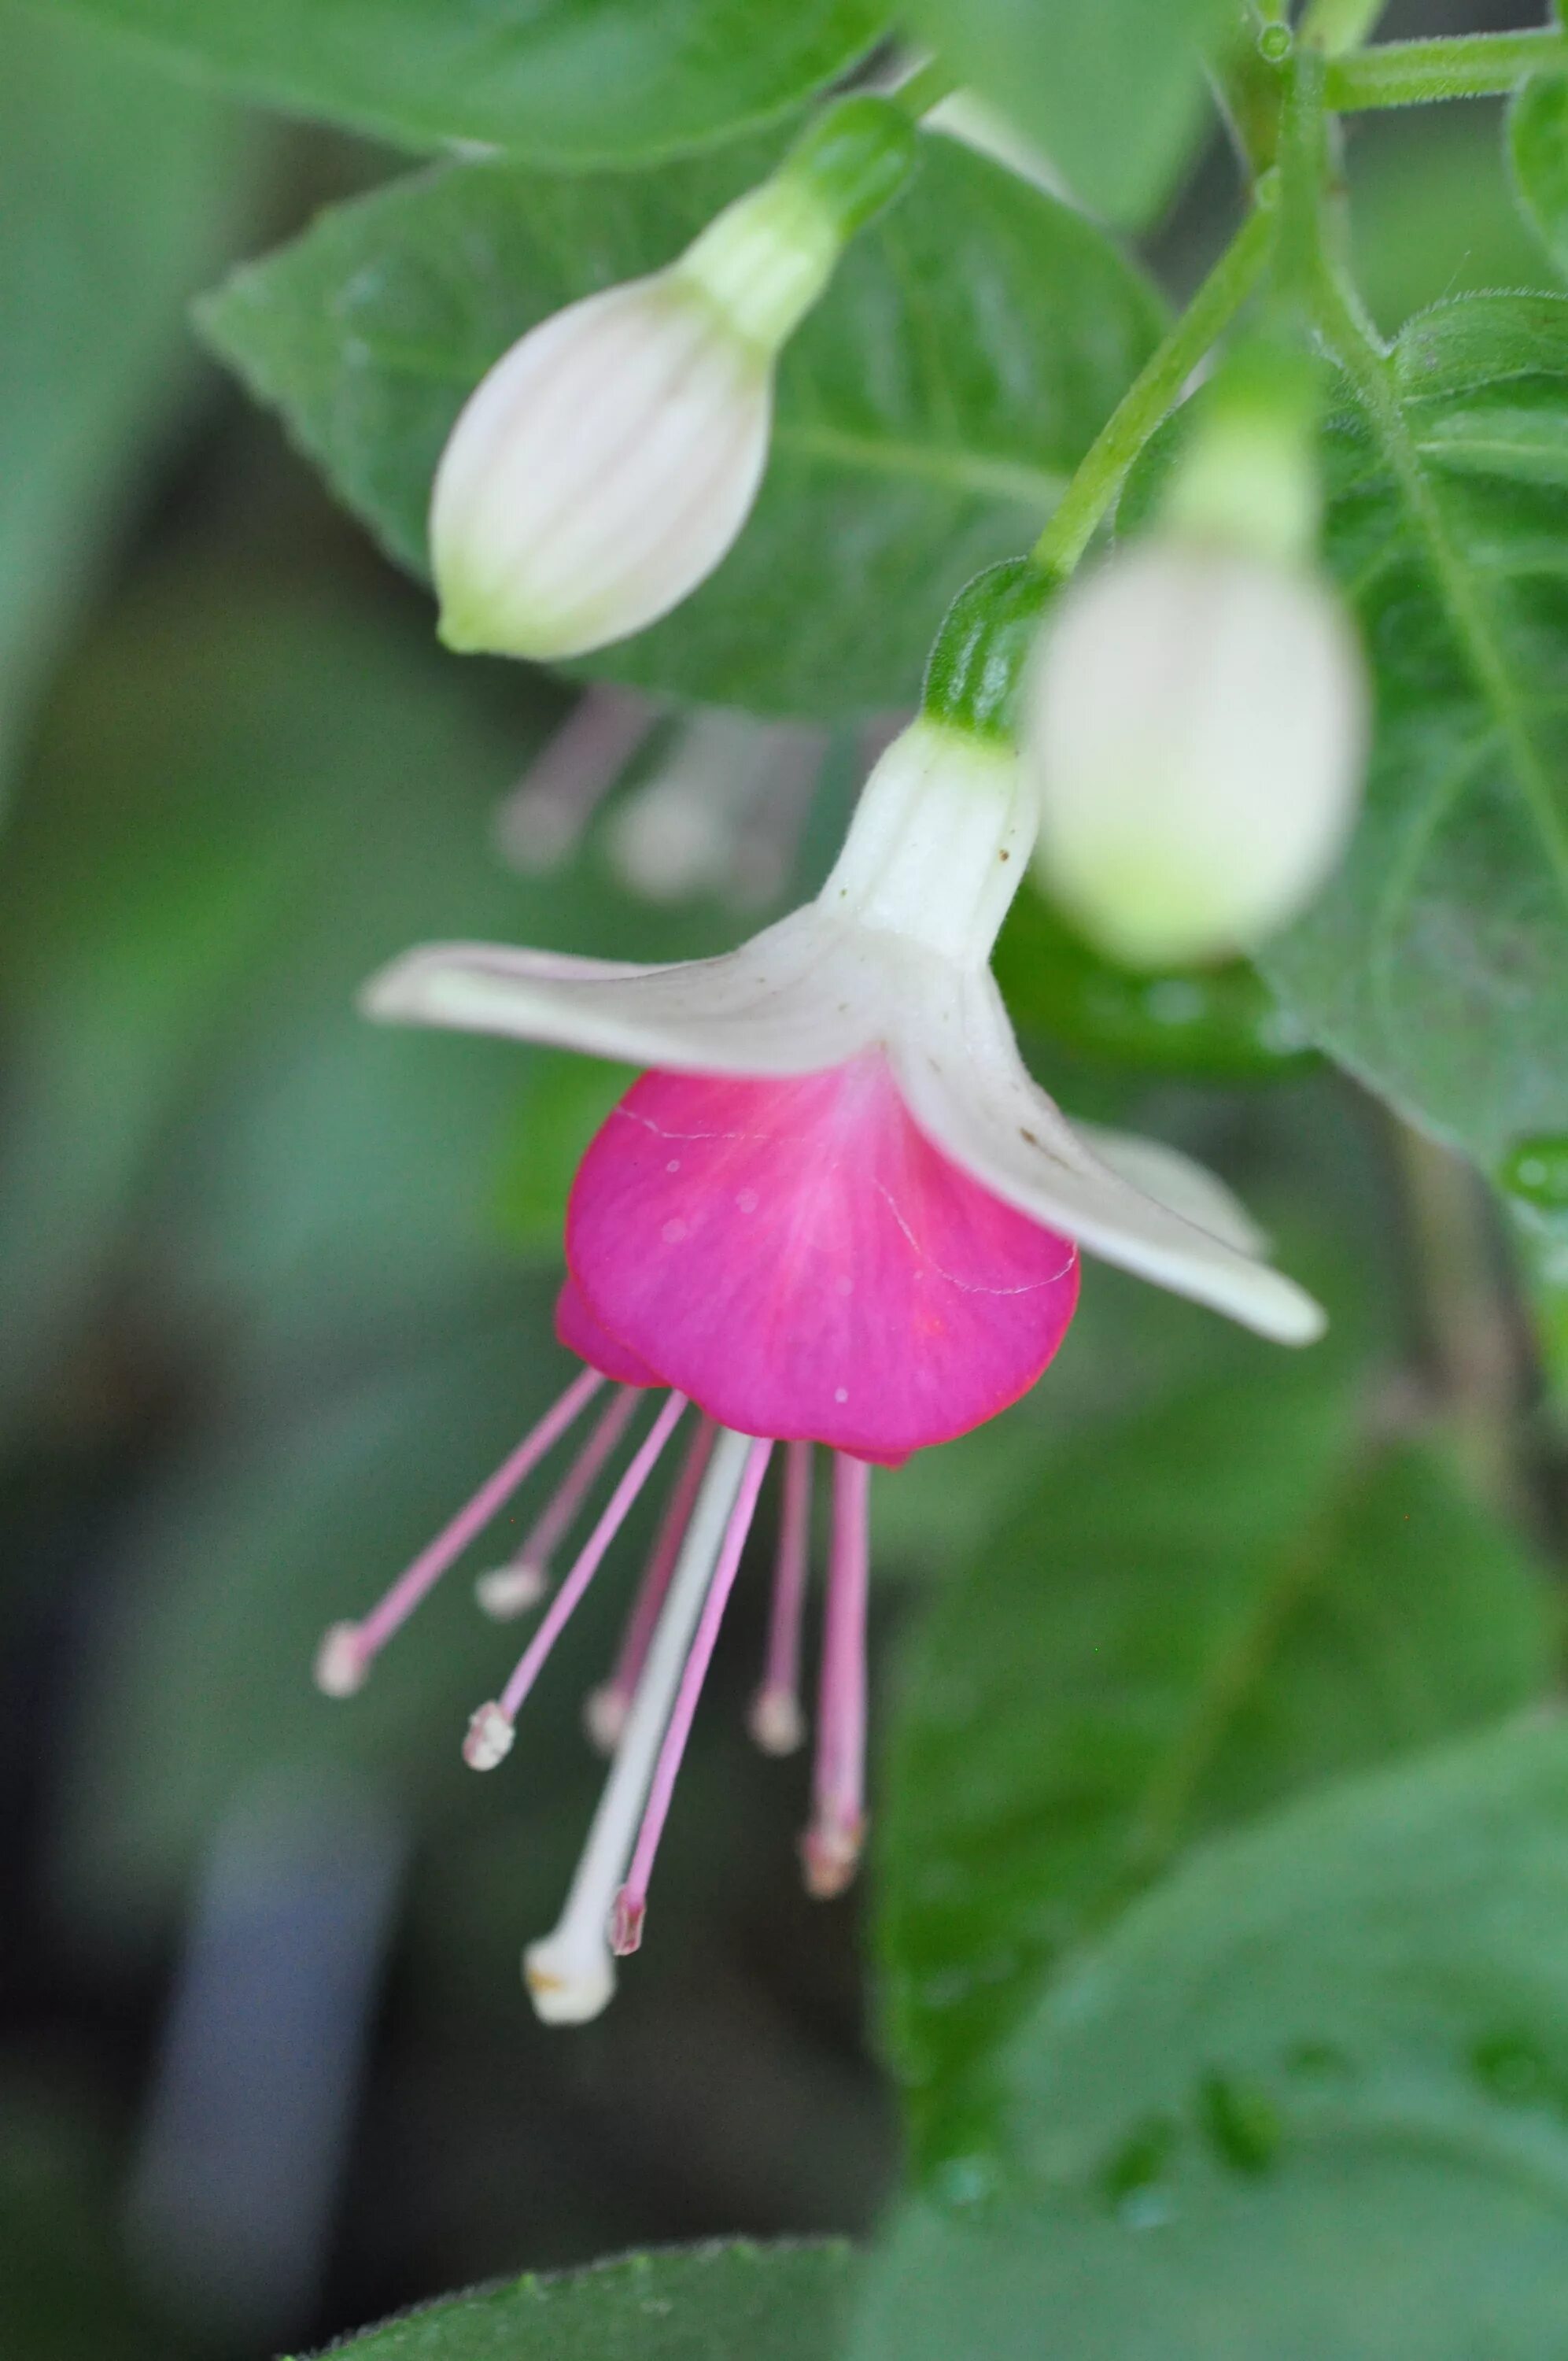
x: 574, y: 1487
x: 838, y: 1774
x: 781, y: 1673
x: 586, y: 1563
x: 546, y: 814
x: 427, y: 1569
x: 644, y: 1616
x: 632, y: 1899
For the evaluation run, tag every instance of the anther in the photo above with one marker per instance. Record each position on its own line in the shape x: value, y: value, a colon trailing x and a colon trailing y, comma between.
x: 341, y: 1668
x: 604, y: 1716
x: 626, y: 1923
x: 507, y: 1591
x: 830, y: 1854
x: 775, y: 1720
x: 489, y: 1737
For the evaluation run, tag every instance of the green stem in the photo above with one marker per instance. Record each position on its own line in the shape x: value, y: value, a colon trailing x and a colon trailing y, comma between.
x: 1471, y: 65
x: 1154, y: 392
x: 927, y: 87
x: 1332, y: 26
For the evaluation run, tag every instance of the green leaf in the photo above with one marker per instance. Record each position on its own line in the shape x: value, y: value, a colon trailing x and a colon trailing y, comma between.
x: 1229, y: 1597
x: 710, y: 2303
x: 568, y: 82
x: 1538, y: 147
x: 1112, y: 93
x: 1436, y: 965
x: 1308, y: 2099
x: 116, y: 190
x: 928, y: 411
x: 1431, y: 213
x: 1222, y: 1024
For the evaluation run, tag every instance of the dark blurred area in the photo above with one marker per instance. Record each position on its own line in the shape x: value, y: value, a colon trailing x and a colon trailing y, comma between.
x: 277, y: 1293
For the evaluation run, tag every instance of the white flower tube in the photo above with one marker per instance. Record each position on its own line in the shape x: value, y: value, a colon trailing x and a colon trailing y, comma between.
x: 605, y: 465
x: 1197, y: 733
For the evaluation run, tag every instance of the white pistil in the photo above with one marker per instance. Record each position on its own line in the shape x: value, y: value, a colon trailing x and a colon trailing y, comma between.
x: 570, y: 1971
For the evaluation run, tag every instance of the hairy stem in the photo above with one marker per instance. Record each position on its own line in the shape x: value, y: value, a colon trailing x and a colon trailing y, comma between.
x: 1471, y: 65
x: 925, y: 88
x: 1154, y: 391
x: 1333, y: 26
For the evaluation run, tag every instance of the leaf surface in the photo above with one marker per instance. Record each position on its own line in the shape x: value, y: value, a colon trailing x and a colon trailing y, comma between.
x: 1309, y: 2098
x: 928, y: 411
x: 568, y: 83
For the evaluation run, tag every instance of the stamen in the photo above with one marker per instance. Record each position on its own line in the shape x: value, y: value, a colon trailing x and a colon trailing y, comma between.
x: 631, y: 1902
x: 346, y: 1652
x: 548, y: 813
x: 510, y: 1589
x: 831, y: 1845
x: 777, y: 1721
x: 570, y: 1971
x: 605, y: 1708
x: 489, y: 1737
x: 586, y: 1563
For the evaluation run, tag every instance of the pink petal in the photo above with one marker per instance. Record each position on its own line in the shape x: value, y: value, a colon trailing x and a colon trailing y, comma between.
x: 581, y: 1334
x: 798, y: 1258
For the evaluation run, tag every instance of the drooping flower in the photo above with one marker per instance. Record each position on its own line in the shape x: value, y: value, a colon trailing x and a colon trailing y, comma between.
x: 836, y: 1211
x: 605, y: 463
x: 1198, y: 723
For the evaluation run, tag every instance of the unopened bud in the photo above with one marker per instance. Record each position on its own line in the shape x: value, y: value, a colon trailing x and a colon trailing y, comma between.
x: 1196, y: 734
x: 607, y: 461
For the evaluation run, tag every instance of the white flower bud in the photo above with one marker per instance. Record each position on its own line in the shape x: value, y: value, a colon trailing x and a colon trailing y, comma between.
x: 1197, y: 733
x: 607, y: 461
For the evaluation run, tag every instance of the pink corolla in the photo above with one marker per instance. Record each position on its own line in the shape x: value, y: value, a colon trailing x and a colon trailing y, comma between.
x: 837, y: 1210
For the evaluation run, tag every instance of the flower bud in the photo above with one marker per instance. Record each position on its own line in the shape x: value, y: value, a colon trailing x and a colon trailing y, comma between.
x: 1196, y: 734
x: 605, y: 464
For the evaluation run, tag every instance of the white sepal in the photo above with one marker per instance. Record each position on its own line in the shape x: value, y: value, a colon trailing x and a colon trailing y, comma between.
x: 889, y: 957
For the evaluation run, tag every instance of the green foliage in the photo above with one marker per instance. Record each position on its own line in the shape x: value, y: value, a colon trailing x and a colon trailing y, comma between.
x: 1538, y: 145
x: 1309, y: 2097
x: 1436, y: 964
x: 1112, y: 94
x: 1432, y: 213
x: 711, y: 2303
x: 971, y: 343
x: 1221, y: 1022
x: 1227, y: 1597
x: 117, y: 192
x: 571, y: 82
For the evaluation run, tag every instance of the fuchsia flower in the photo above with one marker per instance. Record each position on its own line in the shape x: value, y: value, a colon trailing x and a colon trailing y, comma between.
x: 835, y: 1211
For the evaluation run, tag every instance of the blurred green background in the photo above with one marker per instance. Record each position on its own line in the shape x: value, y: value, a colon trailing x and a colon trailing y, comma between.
x: 276, y: 1291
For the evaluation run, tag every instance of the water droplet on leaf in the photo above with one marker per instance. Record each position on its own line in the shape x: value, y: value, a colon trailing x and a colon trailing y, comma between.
x: 1242, y: 2122
x: 1510, y: 2068
x: 1537, y: 1170
x: 1320, y: 2064
x: 1134, y: 2180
